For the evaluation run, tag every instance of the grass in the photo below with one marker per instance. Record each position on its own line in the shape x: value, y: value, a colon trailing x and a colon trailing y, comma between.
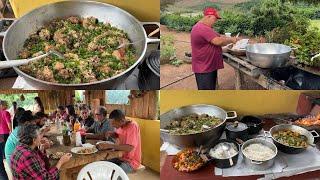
x: 316, y: 23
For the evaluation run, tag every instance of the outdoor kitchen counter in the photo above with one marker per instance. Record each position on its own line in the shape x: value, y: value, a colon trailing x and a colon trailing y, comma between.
x: 263, y: 77
x: 207, y: 172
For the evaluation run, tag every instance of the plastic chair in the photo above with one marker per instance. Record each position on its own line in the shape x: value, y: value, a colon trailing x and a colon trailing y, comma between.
x: 102, y: 170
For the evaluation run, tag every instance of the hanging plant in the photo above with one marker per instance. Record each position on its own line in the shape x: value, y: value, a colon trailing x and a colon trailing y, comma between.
x: 22, y: 98
x: 137, y: 94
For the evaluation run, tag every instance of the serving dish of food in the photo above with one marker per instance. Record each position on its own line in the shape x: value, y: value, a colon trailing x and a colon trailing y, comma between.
x: 84, y: 150
x: 87, y: 33
x: 224, y: 157
x: 193, y: 123
x: 89, y: 46
x: 259, y: 153
x: 187, y: 160
x: 292, y: 139
x: 205, y: 132
x: 309, y: 122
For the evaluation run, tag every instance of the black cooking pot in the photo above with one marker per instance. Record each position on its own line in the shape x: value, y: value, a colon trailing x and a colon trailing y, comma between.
x: 254, y: 124
x: 225, y: 163
x: 149, y: 74
x: 237, y: 130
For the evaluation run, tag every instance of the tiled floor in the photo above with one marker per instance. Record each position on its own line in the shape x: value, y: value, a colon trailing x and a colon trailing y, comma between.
x: 147, y: 174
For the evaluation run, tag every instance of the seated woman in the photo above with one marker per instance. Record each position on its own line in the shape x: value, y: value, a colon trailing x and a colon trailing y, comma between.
x: 128, y: 138
x: 22, y: 117
x: 28, y: 162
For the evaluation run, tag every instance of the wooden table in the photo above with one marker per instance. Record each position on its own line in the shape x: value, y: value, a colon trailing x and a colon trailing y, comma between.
x: 207, y: 172
x: 69, y: 170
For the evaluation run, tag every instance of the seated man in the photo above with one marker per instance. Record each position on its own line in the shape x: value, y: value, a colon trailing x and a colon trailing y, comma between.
x: 41, y: 119
x: 85, y: 116
x: 128, y: 136
x: 100, y: 126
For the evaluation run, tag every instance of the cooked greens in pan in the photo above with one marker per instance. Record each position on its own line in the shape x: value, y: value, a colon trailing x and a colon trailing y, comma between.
x: 89, y: 48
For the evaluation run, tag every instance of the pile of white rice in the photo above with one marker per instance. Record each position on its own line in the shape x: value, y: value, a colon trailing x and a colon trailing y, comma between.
x: 218, y: 152
x: 258, y: 152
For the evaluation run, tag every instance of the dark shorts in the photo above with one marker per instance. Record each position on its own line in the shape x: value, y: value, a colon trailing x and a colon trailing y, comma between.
x: 123, y: 164
x: 206, y: 81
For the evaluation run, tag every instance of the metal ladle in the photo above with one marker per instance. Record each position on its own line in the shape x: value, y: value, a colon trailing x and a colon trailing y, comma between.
x: 14, y: 63
x: 130, y: 43
x: 226, y: 148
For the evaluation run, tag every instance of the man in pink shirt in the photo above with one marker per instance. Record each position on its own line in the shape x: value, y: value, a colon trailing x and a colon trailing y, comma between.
x: 128, y: 140
x: 5, y: 129
x: 206, y: 46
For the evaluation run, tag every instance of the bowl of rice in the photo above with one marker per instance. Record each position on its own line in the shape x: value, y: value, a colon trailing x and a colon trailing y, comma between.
x: 259, y: 153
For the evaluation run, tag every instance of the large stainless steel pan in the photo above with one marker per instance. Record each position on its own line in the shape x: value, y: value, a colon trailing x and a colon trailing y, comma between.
x: 294, y: 128
x: 193, y: 140
x: 268, y: 55
x: 19, y: 31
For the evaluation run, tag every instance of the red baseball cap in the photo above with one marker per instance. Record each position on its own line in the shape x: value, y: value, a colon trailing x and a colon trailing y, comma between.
x: 211, y: 11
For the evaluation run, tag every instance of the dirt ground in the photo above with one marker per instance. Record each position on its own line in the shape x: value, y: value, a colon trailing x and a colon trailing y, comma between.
x: 170, y: 73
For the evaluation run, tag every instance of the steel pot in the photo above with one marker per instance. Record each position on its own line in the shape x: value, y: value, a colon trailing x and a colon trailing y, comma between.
x: 259, y: 165
x: 19, y: 31
x: 254, y: 124
x: 198, y: 139
x: 237, y: 130
x: 225, y: 163
x: 149, y: 74
x: 268, y: 55
x: 298, y: 129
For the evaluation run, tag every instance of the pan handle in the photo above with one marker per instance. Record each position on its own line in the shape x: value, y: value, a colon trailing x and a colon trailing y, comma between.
x: 3, y: 33
x: 266, y: 134
x: 315, y: 132
x: 151, y: 40
x: 233, y: 116
x: 256, y: 162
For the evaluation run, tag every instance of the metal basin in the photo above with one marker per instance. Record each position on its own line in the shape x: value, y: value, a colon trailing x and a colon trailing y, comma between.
x: 268, y: 55
x: 193, y: 140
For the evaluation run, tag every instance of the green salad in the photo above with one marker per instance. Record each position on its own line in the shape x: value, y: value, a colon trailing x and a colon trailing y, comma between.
x: 89, y: 48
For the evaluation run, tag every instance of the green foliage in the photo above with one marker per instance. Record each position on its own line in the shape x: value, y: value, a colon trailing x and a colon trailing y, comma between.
x: 271, y: 14
x: 247, y: 6
x: 206, y: 4
x: 168, y: 51
x: 304, y: 1
x: 178, y: 22
x: 280, y: 34
x: 307, y: 45
x: 27, y: 103
x: 176, y: 62
x: 234, y: 22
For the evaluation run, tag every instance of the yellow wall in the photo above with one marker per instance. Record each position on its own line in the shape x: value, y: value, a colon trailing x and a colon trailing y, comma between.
x: 244, y: 102
x: 144, y: 10
x: 150, y: 142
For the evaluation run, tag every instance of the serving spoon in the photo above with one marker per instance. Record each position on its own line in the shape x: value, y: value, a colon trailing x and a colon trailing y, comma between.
x: 226, y: 148
x: 135, y: 42
x: 14, y: 63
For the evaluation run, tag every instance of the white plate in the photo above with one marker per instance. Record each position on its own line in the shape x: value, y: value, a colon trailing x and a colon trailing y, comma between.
x: 108, y: 142
x: 77, y: 149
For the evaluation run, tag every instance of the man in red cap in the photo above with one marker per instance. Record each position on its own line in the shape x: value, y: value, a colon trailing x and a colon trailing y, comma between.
x: 206, y: 46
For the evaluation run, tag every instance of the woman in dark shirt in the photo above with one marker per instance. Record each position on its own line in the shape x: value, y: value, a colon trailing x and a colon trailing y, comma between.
x: 71, y: 114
